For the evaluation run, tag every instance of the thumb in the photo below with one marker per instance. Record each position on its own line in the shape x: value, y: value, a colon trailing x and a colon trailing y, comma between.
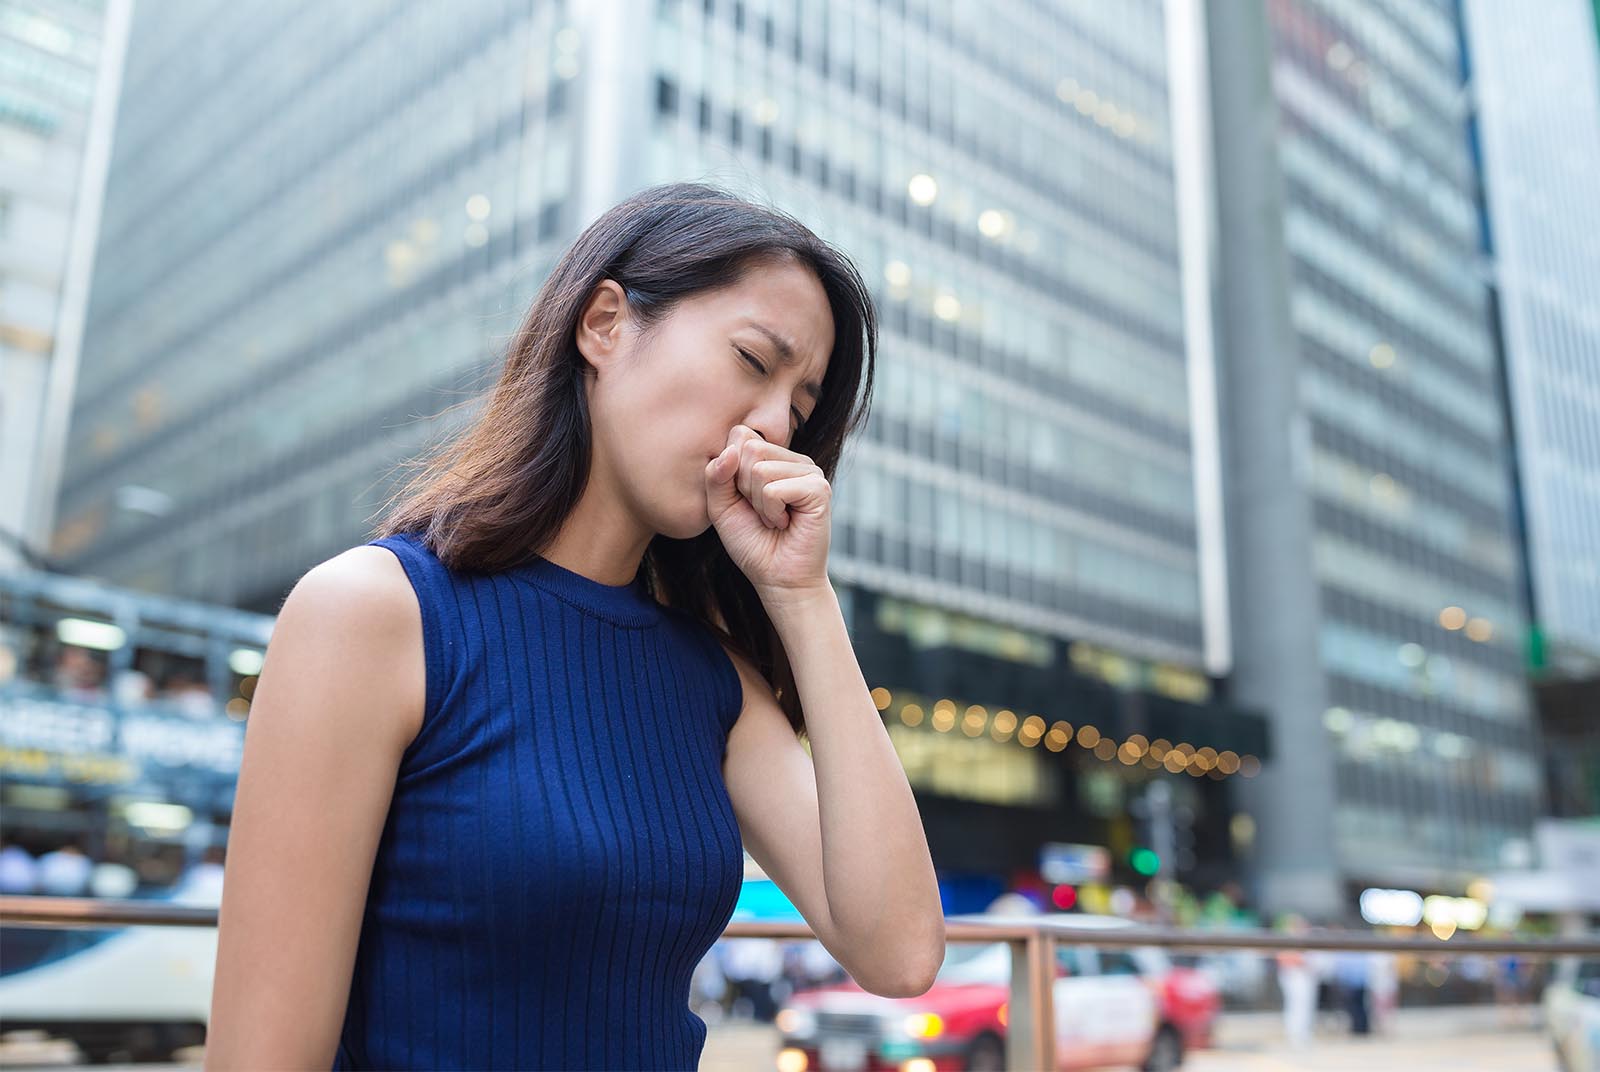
x: 722, y: 491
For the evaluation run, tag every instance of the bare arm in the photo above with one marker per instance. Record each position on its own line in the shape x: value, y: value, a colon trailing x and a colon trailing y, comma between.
x: 339, y: 699
x: 841, y: 836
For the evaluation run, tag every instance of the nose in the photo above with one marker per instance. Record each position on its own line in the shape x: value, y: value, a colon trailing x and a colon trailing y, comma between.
x: 771, y: 422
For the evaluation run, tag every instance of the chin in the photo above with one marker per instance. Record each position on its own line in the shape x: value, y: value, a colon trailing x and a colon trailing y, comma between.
x: 685, y: 526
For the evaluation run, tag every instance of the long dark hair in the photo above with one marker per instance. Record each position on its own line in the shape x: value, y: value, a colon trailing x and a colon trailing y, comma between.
x: 497, y: 493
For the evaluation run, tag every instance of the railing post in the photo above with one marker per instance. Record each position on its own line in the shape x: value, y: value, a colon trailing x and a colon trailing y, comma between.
x: 1031, y: 1021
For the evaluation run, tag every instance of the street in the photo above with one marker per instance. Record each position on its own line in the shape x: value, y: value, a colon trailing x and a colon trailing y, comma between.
x: 1426, y: 1044
x: 1420, y: 1048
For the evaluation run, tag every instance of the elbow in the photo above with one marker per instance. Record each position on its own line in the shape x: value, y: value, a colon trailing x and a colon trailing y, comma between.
x: 915, y: 967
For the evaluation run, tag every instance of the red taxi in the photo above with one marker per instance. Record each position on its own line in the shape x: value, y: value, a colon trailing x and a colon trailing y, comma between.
x: 1114, y: 1008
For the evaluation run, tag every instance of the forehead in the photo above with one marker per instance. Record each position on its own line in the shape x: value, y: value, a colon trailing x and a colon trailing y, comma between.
x: 786, y: 300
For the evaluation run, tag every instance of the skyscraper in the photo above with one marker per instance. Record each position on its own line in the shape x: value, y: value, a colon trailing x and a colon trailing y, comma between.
x: 1375, y: 564
x: 308, y: 246
x: 1537, y: 86
x: 60, y: 65
x: 324, y: 223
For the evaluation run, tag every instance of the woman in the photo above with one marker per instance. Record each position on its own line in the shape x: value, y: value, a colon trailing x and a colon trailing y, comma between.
x: 503, y: 759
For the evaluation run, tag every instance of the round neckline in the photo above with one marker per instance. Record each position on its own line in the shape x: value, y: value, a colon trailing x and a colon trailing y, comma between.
x: 626, y: 604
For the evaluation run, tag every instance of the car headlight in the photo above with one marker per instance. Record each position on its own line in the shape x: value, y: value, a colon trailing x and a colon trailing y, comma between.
x: 922, y: 1026
x: 796, y: 1023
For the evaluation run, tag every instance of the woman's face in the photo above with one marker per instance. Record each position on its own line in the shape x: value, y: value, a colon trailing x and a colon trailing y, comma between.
x: 663, y: 404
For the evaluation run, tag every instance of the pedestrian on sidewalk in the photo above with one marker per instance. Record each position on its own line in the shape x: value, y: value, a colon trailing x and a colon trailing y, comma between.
x: 1352, y: 971
x: 1297, y: 979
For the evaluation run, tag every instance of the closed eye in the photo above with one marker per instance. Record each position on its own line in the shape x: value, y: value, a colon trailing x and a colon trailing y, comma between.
x: 800, y: 421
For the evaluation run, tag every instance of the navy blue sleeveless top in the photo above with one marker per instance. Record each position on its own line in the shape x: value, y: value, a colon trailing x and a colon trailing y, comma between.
x: 560, y: 850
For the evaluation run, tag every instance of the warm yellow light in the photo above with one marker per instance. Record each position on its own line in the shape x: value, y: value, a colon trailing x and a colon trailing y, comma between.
x: 1003, y: 1013
x: 911, y: 715
x: 922, y: 189
x: 947, y: 307
x: 1005, y: 721
x: 1128, y: 753
x: 1480, y: 630
x: 1228, y: 763
x: 1443, y: 929
x: 924, y: 1025
x: 1034, y: 725
x: 992, y: 222
x: 1088, y: 736
x: 881, y: 698
x: 792, y: 1060
x: 1452, y: 618
x: 1105, y: 749
x: 1174, y: 761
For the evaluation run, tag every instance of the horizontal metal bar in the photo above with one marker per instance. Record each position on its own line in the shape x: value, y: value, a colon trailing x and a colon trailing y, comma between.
x: 28, y: 911
x: 32, y: 911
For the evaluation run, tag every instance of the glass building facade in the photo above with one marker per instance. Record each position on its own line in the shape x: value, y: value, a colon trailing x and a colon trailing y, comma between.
x: 59, y: 67
x: 1375, y: 556
x: 324, y: 225
x: 320, y: 224
x: 1004, y: 179
x: 1537, y: 89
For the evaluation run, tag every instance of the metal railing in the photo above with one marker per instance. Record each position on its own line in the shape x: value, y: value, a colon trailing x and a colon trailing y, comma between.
x: 1030, y: 1037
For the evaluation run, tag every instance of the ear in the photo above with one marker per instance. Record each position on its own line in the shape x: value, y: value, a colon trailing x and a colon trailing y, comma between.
x: 600, y: 324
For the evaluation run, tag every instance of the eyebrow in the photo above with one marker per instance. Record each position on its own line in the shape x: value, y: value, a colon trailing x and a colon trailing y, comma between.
x: 787, y: 355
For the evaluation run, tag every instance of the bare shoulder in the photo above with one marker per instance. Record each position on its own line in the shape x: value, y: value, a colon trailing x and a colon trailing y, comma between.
x: 339, y: 699
x: 360, y: 603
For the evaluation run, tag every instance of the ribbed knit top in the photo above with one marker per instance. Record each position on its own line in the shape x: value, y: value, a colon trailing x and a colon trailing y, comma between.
x: 560, y: 850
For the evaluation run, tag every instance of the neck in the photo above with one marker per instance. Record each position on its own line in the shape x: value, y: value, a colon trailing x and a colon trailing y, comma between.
x: 601, y: 538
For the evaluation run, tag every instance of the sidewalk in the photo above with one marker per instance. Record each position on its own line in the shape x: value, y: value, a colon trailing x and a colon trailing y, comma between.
x: 1463, y: 1038
x: 1249, y: 1030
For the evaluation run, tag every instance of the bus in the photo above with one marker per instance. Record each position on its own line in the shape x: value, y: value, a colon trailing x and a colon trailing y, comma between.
x: 122, y: 718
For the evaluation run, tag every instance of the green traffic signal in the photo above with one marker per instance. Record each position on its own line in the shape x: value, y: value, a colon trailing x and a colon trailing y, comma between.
x: 1145, y: 861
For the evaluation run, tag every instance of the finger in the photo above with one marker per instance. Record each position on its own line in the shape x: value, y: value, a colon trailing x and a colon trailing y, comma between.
x: 810, y: 493
x: 722, y: 490
x: 762, y: 472
x: 753, y: 451
x: 752, y: 440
